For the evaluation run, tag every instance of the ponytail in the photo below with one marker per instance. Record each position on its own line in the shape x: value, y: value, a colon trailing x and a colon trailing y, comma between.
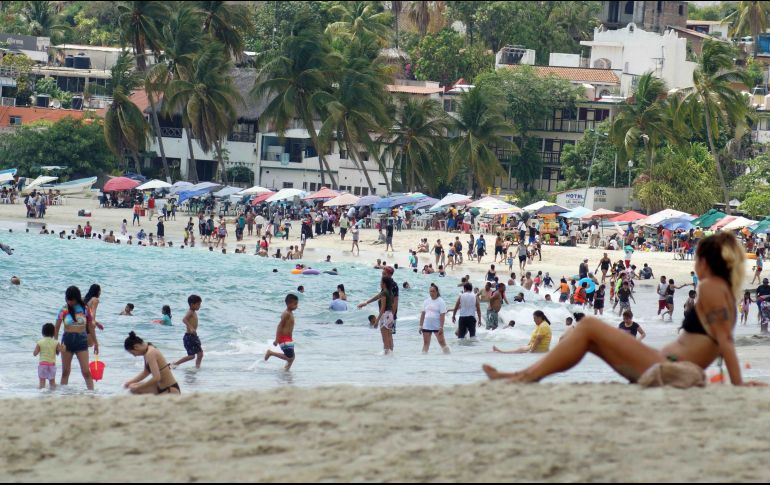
x: 131, y: 341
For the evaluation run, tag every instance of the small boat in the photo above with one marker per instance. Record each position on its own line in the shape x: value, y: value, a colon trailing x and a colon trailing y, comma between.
x: 6, y: 176
x: 74, y: 187
x: 37, y: 183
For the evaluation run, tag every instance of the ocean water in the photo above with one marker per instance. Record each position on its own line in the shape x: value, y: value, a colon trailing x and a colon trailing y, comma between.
x: 242, y: 303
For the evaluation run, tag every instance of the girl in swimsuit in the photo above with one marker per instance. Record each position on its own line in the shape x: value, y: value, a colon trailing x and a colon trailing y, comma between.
x: 707, y: 335
x: 155, y: 365
x: 78, y: 323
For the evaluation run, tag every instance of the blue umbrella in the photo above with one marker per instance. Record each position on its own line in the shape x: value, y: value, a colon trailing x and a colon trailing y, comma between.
x: 427, y: 202
x: 677, y: 223
x: 367, y: 200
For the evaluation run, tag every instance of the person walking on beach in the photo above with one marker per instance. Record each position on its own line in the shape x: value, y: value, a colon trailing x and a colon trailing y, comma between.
x: 481, y: 247
x: 76, y: 319
x: 92, y: 300
x: 47, y: 348
x: 155, y: 366
x: 523, y: 253
x: 389, y: 237
x: 707, y: 331
x: 470, y: 308
x: 624, y: 298
x: 150, y: 207
x: 662, y: 288
x: 604, y: 265
x: 599, y: 300
x: 495, y: 305
x: 284, y: 333
x: 137, y: 212
x: 432, y: 320
x: 191, y: 341
x: 758, y: 269
x: 354, y: 233
x: 539, y: 342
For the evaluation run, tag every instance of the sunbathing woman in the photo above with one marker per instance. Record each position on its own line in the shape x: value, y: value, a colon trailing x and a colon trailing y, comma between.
x: 707, y: 335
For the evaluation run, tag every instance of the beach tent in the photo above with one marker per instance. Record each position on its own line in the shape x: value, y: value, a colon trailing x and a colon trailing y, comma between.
x: 397, y: 200
x: 763, y: 227
x: 180, y: 186
x: 324, y: 193
x: 504, y: 211
x: 452, y: 199
x: 261, y: 198
x: 709, y: 218
x: 537, y: 206
x: 424, y: 203
x: 658, y: 217
x: 722, y: 222
x: 551, y: 209
x: 227, y: 192
x: 676, y: 223
x: 489, y: 203
x: 154, y: 184
x: 630, y: 216
x: 738, y: 223
x: 600, y: 214
x: 120, y: 183
x: 344, y: 199
x: 285, y: 194
x: 256, y: 190
x: 577, y: 213
x: 367, y: 200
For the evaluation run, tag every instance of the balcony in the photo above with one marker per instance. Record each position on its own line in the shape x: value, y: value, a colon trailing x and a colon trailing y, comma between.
x: 170, y: 132
x: 568, y: 126
x: 242, y: 136
x: 551, y: 158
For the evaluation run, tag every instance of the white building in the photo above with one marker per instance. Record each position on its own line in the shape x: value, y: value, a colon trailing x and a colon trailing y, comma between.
x: 719, y: 29
x: 631, y: 52
x: 595, y: 198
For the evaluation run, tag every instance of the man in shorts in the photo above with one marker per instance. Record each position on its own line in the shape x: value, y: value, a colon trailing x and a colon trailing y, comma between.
x: 470, y: 308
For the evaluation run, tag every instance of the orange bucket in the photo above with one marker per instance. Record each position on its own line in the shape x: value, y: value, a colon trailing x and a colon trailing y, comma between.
x: 97, y: 368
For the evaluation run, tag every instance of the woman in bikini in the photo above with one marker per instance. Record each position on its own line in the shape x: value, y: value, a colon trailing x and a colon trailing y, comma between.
x: 707, y: 331
x: 155, y: 365
x: 92, y: 300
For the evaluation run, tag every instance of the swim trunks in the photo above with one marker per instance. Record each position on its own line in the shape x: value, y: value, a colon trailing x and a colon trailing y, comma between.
x: 192, y: 344
x: 387, y: 321
x: 493, y: 319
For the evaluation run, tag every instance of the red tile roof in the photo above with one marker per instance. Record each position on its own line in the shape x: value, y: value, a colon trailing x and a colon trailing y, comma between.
x: 576, y: 74
x: 31, y: 114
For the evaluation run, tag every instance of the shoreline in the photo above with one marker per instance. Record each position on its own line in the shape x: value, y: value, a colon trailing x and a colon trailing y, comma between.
x: 470, y: 433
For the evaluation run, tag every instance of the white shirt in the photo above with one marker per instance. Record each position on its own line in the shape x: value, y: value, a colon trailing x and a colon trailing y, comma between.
x: 467, y: 305
x: 433, y: 310
x: 662, y: 287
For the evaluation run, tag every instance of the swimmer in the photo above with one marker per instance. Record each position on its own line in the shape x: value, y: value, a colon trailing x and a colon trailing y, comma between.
x: 339, y: 322
x: 127, y: 312
x: 333, y: 272
x: 511, y: 324
x: 372, y: 321
x: 406, y: 285
x: 283, y: 334
x: 15, y: 280
x: 164, y: 320
x: 328, y: 259
x: 7, y: 249
x: 301, y: 289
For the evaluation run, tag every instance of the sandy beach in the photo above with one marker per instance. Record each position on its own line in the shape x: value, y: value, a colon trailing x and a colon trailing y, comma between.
x: 488, y: 432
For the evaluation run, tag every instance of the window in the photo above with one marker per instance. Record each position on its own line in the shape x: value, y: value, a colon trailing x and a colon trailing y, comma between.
x: 364, y: 156
x: 629, y: 10
x: 660, y: 6
x: 681, y: 10
x: 313, y: 187
x: 343, y: 154
x: 15, y: 121
x: 356, y: 190
x: 288, y: 185
x: 364, y: 191
x: 613, y: 16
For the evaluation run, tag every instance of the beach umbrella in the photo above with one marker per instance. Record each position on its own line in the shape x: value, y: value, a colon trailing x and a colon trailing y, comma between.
x: 503, y: 211
x: 709, y: 218
x: 452, y: 199
x: 676, y: 223
x: 738, y: 223
x: 489, y: 203
x: 261, y: 198
x: 227, y: 192
x: 551, y: 209
x: 537, y: 206
x: 117, y: 184
x: 344, y: 199
x: 762, y: 227
x: 367, y: 200
x: 577, y: 213
x: 285, y: 194
x: 601, y: 214
x: 722, y: 223
x: 256, y: 190
x: 154, y: 184
x: 630, y: 216
x: 180, y: 186
x: 395, y: 201
x: 658, y: 217
x: 425, y: 203
x: 324, y: 193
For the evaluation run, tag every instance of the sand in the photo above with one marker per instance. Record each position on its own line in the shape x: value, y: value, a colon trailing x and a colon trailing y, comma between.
x: 487, y: 432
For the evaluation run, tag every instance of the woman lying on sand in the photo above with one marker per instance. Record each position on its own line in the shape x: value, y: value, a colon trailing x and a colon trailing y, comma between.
x: 155, y: 365
x: 708, y: 330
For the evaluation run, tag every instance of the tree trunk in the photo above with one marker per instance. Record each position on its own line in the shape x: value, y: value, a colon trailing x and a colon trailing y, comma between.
x: 221, y: 169
x: 156, y: 126
x: 469, y: 180
x: 322, y: 163
x: 137, y: 163
x: 715, y: 154
x: 192, y: 173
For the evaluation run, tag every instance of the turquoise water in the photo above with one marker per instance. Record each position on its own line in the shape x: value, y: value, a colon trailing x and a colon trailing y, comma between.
x: 242, y: 303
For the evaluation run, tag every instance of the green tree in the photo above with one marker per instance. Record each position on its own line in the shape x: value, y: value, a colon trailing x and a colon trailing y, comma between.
x: 481, y: 124
x: 644, y: 121
x: 416, y: 142
x: 23, y: 66
x: 694, y: 193
x: 578, y: 18
x: 227, y: 22
x: 426, y: 15
x: 240, y: 175
x: 125, y: 128
x: 752, y: 188
x: 274, y: 21
x: 297, y: 78
x: 181, y: 38
x: 443, y: 57
x: 749, y: 18
x: 208, y: 99
x: 77, y: 144
x: 366, y: 21
x: 42, y: 19
x: 465, y: 11
x: 713, y: 100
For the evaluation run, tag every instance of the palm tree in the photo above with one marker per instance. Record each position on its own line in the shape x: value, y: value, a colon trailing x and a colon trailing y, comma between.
x: 749, y: 18
x: 415, y: 140
x: 207, y: 98
x: 181, y: 39
x: 481, y: 124
x: 298, y: 77
x: 356, y: 108
x: 125, y: 128
x: 363, y: 20
x: 226, y: 22
x: 138, y: 23
x: 577, y: 18
x: 712, y: 99
x: 426, y: 15
x: 43, y: 19
x: 397, y: 6
x: 642, y: 121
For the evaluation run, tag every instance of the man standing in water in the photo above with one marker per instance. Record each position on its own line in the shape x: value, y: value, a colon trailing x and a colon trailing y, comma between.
x: 495, y: 305
x: 387, y: 272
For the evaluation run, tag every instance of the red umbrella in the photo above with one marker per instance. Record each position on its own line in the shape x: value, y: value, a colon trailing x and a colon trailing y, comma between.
x: 324, y: 193
x: 629, y: 216
x: 261, y: 198
x: 120, y: 183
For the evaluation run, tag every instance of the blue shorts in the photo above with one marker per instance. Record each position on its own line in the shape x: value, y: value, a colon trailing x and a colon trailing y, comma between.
x: 192, y: 344
x: 288, y: 349
x: 75, y: 342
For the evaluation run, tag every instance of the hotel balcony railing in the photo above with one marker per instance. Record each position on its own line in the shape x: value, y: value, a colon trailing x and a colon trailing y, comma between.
x: 242, y: 136
x: 569, y: 126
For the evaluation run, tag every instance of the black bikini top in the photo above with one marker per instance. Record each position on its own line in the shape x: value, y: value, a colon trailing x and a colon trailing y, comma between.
x: 692, y: 324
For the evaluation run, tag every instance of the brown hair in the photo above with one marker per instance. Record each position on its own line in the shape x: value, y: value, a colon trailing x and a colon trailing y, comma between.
x: 727, y: 259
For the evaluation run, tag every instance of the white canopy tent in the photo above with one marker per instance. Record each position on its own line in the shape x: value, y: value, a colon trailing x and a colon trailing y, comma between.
x: 227, y: 192
x: 537, y: 206
x: 451, y: 199
x: 285, y: 194
x: 503, y: 211
x: 256, y: 190
x: 738, y: 223
x: 154, y: 184
x: 488, y: 203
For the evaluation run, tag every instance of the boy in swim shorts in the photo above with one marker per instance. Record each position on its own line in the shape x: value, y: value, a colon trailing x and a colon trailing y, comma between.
x: 283, y: 335
x: 192, y: 343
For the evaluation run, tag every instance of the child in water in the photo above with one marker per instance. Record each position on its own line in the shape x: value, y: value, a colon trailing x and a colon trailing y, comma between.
x: 165, y: 320
x: 47, y: 348
x: 372, y: 321
x: 192, y: 343
x: 284, y: 333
